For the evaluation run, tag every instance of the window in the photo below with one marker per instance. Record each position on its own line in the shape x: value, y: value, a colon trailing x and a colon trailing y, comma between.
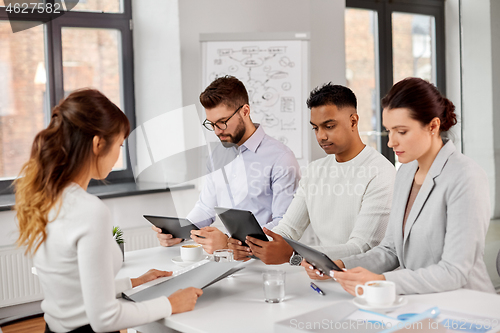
x: 362, y: 70
x: 413, y: 46
x: 88, y: 46
x: 99, y: 68
x: 386, y: 41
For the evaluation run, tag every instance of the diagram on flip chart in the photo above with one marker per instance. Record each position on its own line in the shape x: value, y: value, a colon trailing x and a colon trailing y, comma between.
x: 272, y: 74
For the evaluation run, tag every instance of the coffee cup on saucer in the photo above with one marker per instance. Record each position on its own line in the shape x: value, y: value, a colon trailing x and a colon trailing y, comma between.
x: 191, y: 252
x: 377, y: 293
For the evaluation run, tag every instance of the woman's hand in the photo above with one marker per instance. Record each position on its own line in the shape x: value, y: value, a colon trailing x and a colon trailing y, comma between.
x: 348, y: 279
x: 313, y: 273
x: 150, y: 275
x: 184, y: 300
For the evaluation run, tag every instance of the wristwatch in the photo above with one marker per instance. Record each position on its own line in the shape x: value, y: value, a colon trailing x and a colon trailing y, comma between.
x: 295, y: 259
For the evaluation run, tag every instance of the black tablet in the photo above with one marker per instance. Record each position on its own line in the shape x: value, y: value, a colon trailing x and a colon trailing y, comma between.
x: 177, y: 227
x: 240, y: 224
x: 314, y: 257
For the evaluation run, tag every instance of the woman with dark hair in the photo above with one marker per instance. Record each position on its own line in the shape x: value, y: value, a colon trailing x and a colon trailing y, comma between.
x: 440, y: 211
x: 69, y: 230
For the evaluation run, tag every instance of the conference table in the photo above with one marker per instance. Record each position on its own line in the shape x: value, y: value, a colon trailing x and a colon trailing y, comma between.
x: 236, y: 303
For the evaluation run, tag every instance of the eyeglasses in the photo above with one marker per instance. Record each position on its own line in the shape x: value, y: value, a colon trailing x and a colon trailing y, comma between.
x: 222, y: 125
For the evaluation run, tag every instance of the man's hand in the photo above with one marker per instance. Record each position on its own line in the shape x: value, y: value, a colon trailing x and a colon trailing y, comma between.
x: 214, y: 239
x: 240, y: 252
x: 274, y: 252
x: 348, y: 279
x: 313, y: 273
x: 150, y: 275
x: 184, y: 299
x: 166, y: 239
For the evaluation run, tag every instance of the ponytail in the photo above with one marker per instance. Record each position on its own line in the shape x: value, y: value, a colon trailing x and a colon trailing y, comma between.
x: 60, y: 153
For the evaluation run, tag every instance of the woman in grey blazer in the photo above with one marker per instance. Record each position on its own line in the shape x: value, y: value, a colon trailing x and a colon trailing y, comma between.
x: 440, y: 210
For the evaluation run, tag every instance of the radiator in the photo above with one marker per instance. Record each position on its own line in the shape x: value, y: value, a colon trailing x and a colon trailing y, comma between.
x: 18, y: 285
x: 139, y: 238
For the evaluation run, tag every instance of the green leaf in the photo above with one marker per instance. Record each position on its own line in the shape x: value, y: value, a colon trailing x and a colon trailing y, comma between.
x: 118, y: 235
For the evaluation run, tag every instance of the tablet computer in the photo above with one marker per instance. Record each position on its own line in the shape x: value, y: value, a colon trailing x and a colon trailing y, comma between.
x: 177, y: 227
x: 314, y: 257
x: 240, y: 224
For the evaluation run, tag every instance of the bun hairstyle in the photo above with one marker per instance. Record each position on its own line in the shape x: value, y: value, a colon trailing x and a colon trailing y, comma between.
x: 424, y: 101
x: 60, y: 153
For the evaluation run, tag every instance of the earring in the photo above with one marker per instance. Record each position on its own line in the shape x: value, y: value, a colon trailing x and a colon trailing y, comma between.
x: 432, y: 133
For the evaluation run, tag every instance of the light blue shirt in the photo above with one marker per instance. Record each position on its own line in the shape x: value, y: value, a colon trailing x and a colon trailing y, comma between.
x: 261, y: 176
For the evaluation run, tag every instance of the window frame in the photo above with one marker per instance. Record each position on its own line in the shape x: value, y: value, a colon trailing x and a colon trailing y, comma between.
x: 384, y: 10
x: 54, y: 66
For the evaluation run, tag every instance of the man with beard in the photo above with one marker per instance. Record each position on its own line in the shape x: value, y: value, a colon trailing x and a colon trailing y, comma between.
x: 250, y: 171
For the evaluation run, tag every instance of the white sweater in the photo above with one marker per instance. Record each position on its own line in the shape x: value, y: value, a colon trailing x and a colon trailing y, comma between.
x: 347, y: 204
x: 76, y: 266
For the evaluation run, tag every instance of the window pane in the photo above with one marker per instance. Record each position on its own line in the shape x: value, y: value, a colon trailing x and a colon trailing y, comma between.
x: 91, y: 58
x: 106, y: 6
x: 24, y: 102
x: 362, y: 74
x: 413, y: 46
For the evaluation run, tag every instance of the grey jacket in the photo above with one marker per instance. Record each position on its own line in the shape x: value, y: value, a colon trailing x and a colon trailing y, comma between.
x: 443, y: 244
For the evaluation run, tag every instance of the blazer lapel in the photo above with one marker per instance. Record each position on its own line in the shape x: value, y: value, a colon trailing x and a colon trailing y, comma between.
x: 427, y: 186
x: 399, y: 206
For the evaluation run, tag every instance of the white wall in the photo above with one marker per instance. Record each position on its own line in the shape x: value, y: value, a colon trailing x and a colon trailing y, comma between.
x: 480, y: 64
x: 480, y: 90
x: 157, y: 71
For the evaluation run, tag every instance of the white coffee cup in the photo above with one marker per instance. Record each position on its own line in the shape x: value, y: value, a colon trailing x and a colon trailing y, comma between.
x: 381, y: 293
x: 191, y: 252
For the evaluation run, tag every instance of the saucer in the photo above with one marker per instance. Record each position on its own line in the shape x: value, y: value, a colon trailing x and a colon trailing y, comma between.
x: 361, y: 303
x: 179, y: 262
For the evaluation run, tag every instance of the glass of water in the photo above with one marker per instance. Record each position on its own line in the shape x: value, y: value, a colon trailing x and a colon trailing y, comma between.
x: 224, y: 255
x: 274, y: 286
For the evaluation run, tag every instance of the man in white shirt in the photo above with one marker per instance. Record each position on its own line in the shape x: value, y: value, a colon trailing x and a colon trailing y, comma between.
x: 346, y: 196
x: 249, y: 171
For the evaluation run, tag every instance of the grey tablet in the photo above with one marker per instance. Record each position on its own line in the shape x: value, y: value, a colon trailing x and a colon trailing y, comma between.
x: 240, y: 224
x: 200, y: 276
x: 314, y: 257
x: 177, y: 227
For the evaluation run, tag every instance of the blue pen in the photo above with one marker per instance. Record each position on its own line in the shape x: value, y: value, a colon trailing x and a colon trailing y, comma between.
x: 316, y: 288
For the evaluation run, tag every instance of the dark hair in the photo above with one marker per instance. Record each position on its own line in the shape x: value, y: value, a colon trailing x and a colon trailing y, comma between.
x: 424, y: 101
x: 332, y: 94
x: 59, y: 154
x: 227, y: 90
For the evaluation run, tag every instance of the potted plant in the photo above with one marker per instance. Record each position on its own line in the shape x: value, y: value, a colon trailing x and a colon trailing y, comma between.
x: 118, y: 236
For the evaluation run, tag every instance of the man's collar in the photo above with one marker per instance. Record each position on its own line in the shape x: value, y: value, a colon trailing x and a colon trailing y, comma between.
x: 253, y: 142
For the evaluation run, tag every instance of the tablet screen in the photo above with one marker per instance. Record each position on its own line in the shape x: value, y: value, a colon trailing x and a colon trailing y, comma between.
x: 177, y: 227
x: 240, y: 224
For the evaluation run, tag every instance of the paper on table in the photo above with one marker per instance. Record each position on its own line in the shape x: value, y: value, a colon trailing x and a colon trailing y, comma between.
x: 450, y: 321
x: 160, y: 280
x: 345, y: 316
x: 373, y: 319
